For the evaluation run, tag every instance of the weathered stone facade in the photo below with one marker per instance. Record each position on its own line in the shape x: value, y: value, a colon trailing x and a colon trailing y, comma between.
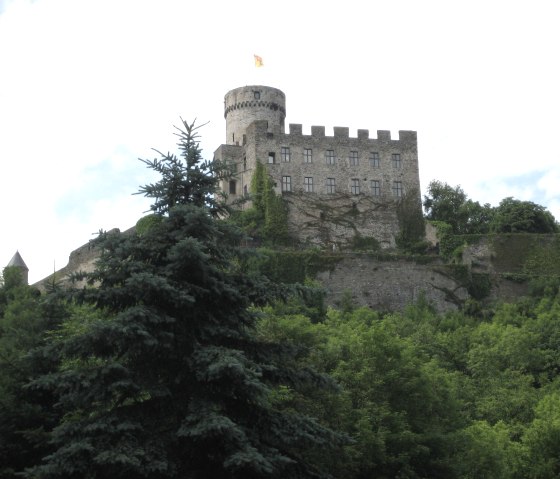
x: 337, y: 187
x: 391, y: 285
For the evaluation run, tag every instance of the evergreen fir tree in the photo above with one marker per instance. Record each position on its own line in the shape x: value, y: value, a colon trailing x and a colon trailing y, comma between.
x: 168, y: 380
x: 26, y: 415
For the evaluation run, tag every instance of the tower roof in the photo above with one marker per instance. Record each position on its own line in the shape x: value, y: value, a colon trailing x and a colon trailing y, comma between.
x: 17, y: 260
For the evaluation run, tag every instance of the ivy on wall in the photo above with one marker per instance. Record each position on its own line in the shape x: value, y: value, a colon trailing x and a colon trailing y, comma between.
x: 411, y: 222
x: 266, y: 221
x: 292, y: 266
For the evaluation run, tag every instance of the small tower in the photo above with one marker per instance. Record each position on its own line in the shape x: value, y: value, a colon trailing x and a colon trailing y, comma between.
x: 17, y: 262
x: 247, y: 104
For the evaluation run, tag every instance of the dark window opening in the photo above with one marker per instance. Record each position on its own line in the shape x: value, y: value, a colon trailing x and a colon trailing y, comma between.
x: 232, y: 187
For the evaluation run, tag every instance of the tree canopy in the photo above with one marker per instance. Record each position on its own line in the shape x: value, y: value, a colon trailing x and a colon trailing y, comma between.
x: 515, y: 216
x: 451, y: 205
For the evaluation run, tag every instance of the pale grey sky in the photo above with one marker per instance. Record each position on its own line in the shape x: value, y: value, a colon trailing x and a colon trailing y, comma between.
x: 88, y: 86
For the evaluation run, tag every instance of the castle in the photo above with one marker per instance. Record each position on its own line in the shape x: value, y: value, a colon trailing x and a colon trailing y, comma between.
x: 337, y: 187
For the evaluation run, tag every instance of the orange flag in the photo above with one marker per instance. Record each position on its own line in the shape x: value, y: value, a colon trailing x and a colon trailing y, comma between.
x: 258, y: 61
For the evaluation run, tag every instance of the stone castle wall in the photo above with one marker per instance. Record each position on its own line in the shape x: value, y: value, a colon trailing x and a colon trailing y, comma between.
x: 391, y: 285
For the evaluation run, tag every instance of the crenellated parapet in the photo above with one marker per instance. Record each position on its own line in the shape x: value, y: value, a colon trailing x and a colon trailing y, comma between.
x: 342, y: 132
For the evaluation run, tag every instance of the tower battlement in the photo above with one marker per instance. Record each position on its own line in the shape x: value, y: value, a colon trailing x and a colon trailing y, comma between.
x: 247, y: 104
x: 296, y: 129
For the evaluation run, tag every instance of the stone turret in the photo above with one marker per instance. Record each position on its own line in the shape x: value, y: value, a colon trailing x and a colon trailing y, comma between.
x: 248, y: 104
x: 17, y: 262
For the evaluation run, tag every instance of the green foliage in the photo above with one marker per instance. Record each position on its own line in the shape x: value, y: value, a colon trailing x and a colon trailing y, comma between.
x: 542, y: 439
x: 444, y: 203
x: 267, y: 219
x: 275, y: 228
x: 515, y: 216
x: 11, y: 278
x: 186, y: 179
x: 428, y: 395
x: 452, y: 206
x: 290, y: 266
x: 479, y: 285
x: 543, y: 258
x: 489, y: 452
x: 145, y: 224
x: 390, y: 403
x: 411, y: 222
x: 528, y: 255
x: 544, y: 286
x: 260, y: 186
x: 26, y: 415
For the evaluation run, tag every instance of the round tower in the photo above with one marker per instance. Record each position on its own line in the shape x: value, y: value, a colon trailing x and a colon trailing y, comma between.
x: 247, y: 104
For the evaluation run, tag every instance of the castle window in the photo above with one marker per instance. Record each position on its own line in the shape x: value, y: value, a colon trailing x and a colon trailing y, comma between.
x: 308, y: 184
x: 307, y: 155
x: 286, y: 183
x: 396, y: 159
x: 329, y: 157
x: 245, y: 191
x: 331, y: 185
x: 257, y: 95
x: 355, y: 186
x: 232, y: 187
x: 375, y: 186
x: 353, y: 158
x: 374, y: 159
x: 397, y: 189
x: 232, y: 168
x: 285, y: 154
x: 271, y: 156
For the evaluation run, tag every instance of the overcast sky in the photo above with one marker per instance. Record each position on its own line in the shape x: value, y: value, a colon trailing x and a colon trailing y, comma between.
x: 89, y: 86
